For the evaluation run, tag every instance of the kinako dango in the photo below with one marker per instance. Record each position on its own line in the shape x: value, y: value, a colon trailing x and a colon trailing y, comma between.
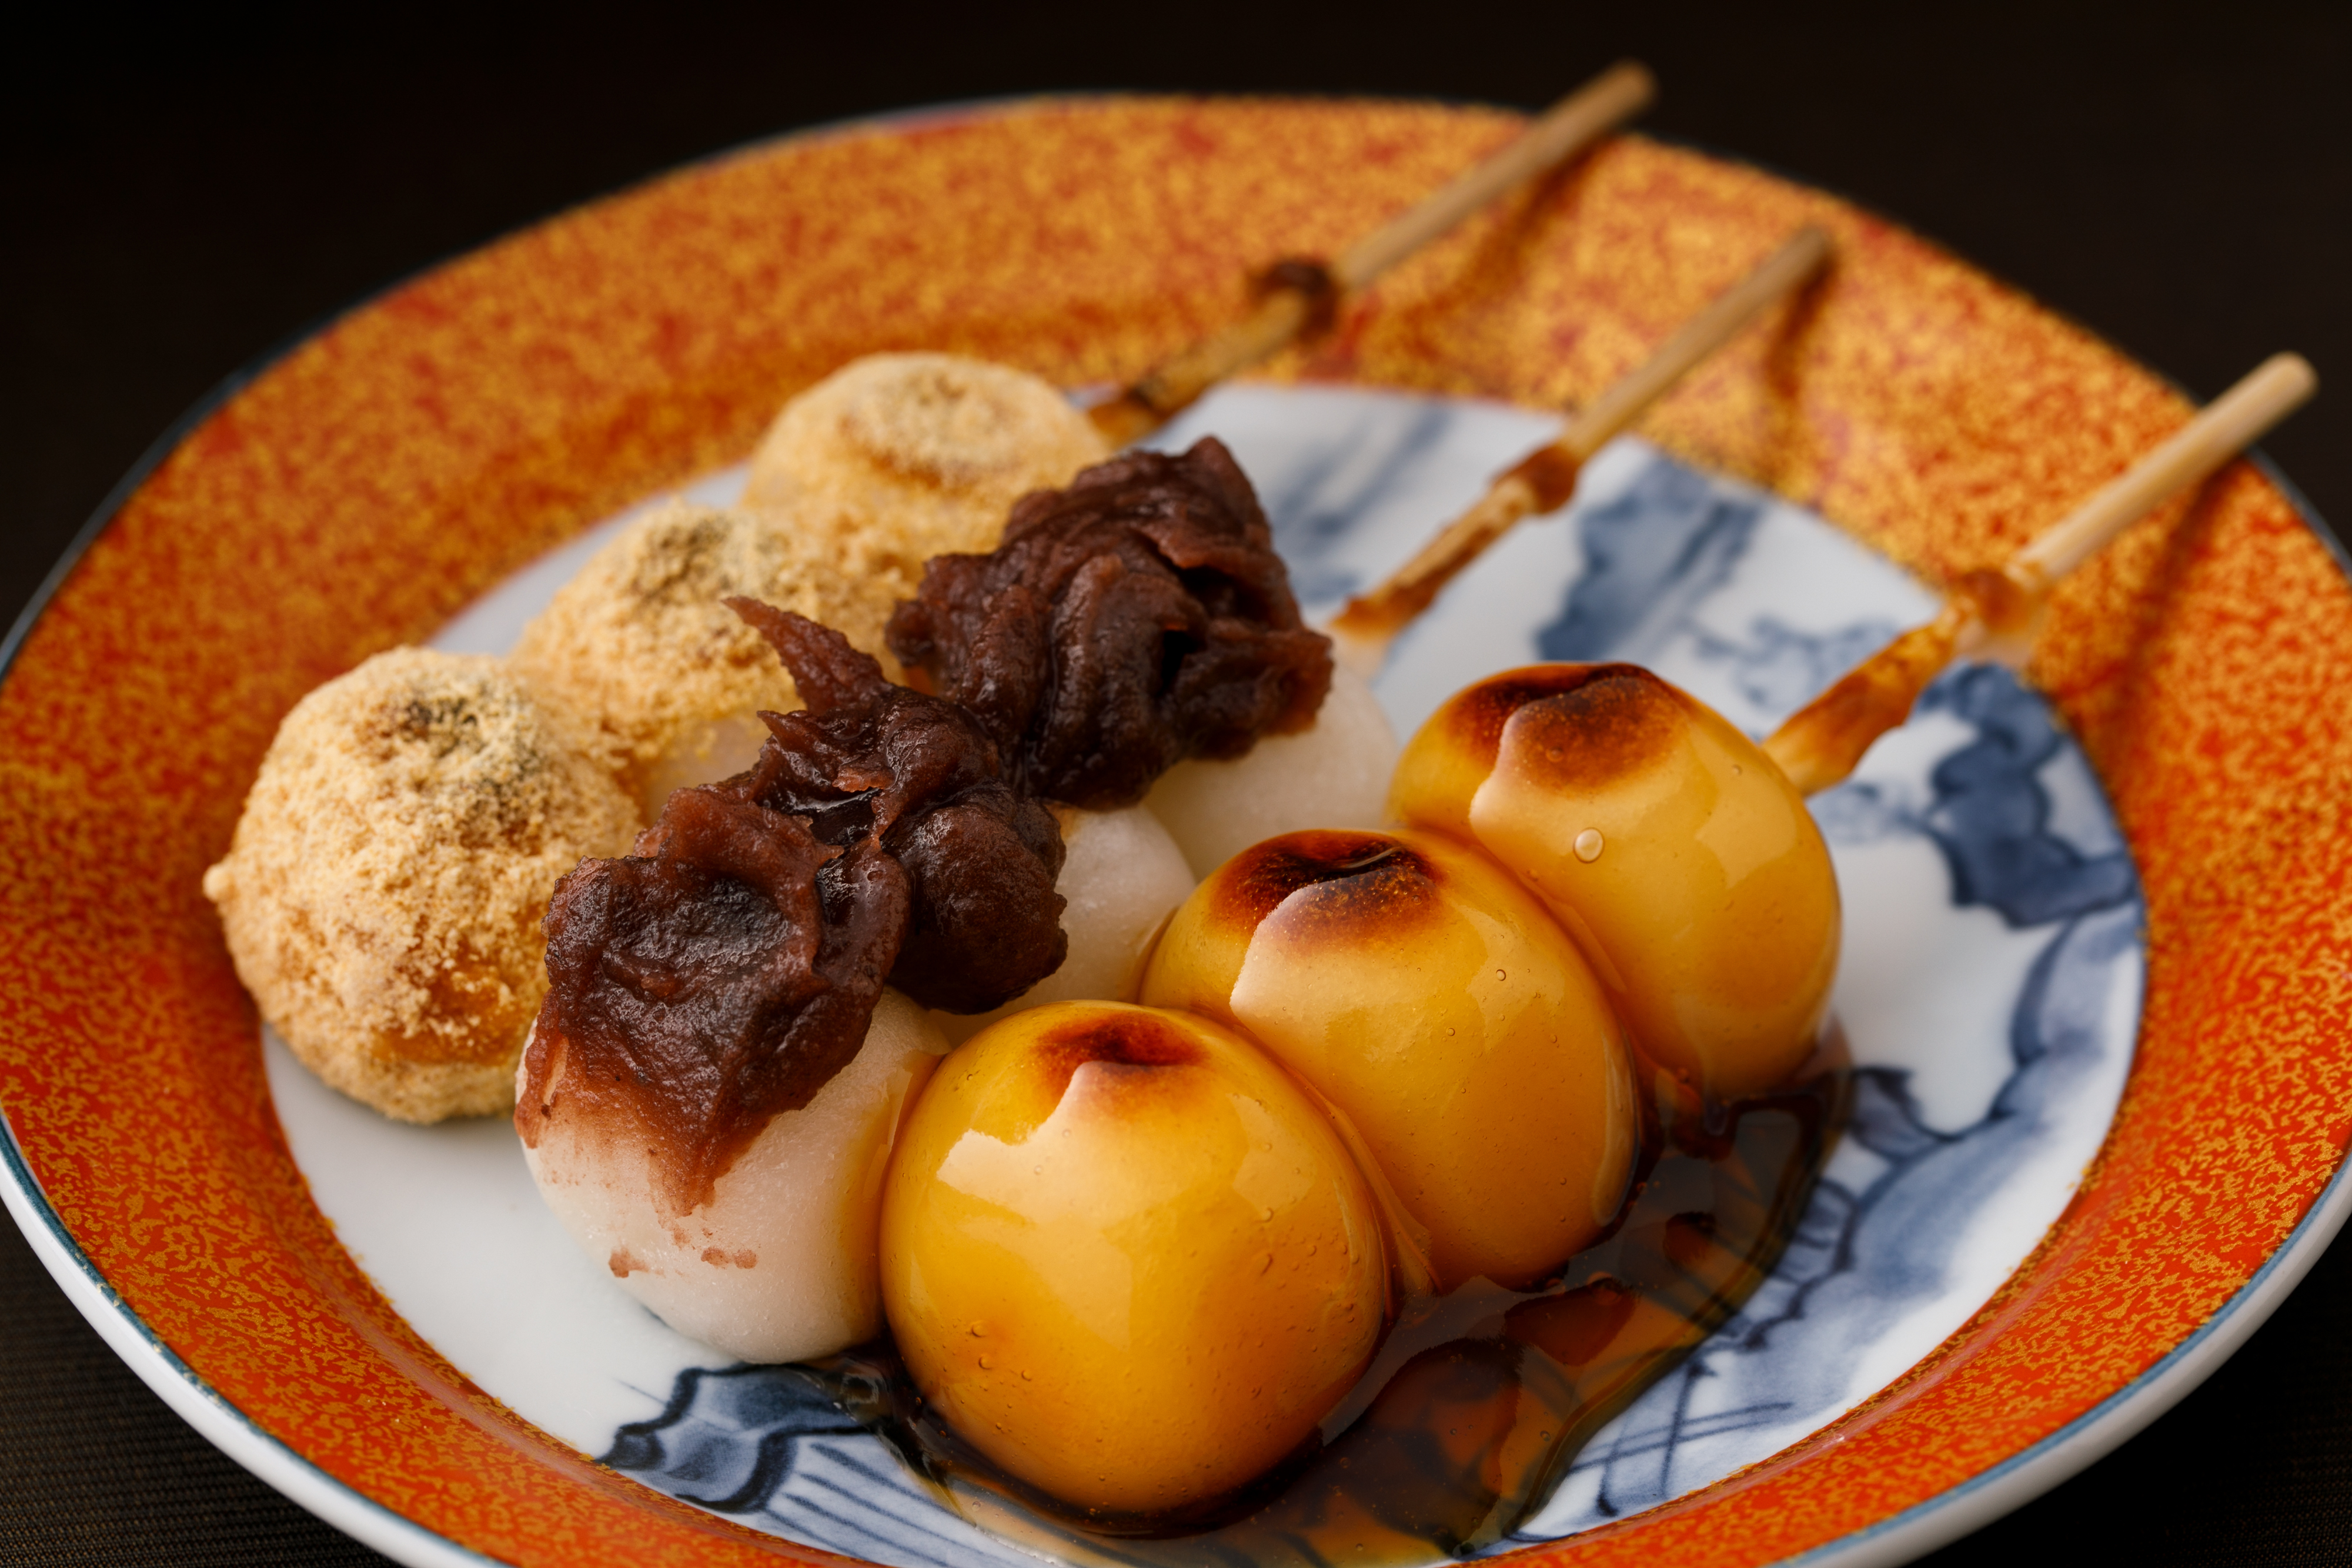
x: 907, y: 456
x: 863, y: 477
x: 641, y: 644
x: 1423, y: 992
x: 382, y: 894
x: 1126, y: 1257
x: 1674, y: 851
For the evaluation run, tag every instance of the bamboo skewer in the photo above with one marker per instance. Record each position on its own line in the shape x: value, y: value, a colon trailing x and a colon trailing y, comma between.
x: 1297, y: 296
x: 1566, y: 129
x: 1822, y: 742
x: 1544, y: 480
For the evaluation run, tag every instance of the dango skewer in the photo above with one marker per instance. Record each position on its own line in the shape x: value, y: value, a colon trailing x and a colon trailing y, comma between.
x: 1295, y: 296
x: 1543, y: 481
x: 1819, y: 745
x: 1329, y: 776
x: 1673, y: 853
x: 1566, y: 868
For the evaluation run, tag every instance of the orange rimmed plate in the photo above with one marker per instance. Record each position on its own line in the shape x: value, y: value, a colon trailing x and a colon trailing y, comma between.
x: 383, y: 474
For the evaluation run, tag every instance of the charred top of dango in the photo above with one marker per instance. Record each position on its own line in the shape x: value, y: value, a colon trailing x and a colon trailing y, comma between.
x: 1597, y: 720
x: 1355, y: 875
x: 1134, y: 620
x: 1116, y: 1040
x: 1346, y: 891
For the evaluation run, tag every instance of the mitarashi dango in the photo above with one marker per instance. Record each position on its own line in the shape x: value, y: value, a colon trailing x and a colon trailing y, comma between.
x: 1126, y: 1257
x: 1672, y: 847
x: 1419, y: 989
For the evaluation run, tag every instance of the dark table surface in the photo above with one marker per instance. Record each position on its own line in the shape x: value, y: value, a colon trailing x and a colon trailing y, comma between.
x: 182, y: 197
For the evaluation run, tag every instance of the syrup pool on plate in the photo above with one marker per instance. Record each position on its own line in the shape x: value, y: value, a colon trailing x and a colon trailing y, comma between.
x: 1478, y: 1400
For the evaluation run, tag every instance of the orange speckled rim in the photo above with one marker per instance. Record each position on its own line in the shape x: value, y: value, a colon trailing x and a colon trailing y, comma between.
x: 381, y: 473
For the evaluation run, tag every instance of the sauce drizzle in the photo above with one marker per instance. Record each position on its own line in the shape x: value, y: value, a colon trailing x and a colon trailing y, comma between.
x: 1479, y: 1401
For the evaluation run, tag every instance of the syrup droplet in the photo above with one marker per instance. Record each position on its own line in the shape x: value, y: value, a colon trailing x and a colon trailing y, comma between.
x: 1587, y: 845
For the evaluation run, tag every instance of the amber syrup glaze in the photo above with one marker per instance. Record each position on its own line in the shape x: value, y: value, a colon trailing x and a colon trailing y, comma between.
x: 1478, y: 1401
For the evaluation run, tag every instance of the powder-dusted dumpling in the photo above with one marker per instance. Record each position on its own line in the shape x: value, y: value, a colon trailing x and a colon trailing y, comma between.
x: 781, y: 1262
x: 383, y: 895
x: 640, y: 643
x: 913, y: 455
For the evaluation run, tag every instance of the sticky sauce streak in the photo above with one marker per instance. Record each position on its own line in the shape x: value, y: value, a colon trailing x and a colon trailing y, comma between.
x: 1479, y: 1402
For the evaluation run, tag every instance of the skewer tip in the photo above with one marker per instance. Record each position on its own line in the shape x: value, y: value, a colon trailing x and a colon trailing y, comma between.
x: 1635, y: 81
x: 1818, y: 745
x: 2298, y: 382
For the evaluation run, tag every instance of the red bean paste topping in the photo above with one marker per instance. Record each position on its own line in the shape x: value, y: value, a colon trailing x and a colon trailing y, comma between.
x: 724, y: 971
x: 869, y: 760
x: 1136, y: 618
x: 722, y: 974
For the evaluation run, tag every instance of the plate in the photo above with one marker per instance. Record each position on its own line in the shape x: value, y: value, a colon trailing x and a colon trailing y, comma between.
x: 1989, y: 994
x: 419, y: 452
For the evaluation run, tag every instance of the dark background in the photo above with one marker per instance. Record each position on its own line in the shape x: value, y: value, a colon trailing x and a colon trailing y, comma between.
x: 181, y: 197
